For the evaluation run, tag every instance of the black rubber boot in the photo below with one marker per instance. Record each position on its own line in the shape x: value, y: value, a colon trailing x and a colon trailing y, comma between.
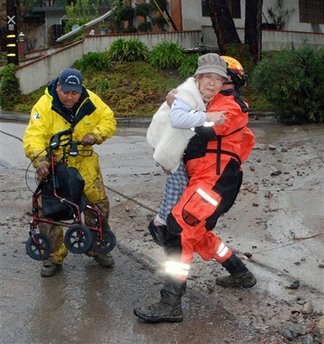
x: 168, y: 309
x: 240, y: 276
x: 159, y: 233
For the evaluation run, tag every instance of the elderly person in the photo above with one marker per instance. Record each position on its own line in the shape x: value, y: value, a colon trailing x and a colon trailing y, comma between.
x: 170, y: 132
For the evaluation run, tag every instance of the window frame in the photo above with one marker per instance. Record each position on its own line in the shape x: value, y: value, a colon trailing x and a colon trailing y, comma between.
x: 311, y: 11
x: 234, y: 6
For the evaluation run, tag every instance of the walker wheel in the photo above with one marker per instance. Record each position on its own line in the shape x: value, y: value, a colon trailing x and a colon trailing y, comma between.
x: 106, y: 244
x: 78, y: 239
x: 38, y: 246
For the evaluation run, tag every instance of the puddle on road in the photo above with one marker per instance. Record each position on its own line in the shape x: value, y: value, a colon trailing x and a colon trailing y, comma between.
x: 307, y: 204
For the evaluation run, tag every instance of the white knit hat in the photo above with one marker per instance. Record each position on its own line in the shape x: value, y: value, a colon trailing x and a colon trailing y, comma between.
x: 211, y: 63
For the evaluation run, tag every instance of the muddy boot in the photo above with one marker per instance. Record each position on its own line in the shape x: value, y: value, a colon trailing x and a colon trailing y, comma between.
x: 49, y: 268
x: 159, y: 233
x: 168, y: 309
x: 240, y: 276
x: 105, y: 260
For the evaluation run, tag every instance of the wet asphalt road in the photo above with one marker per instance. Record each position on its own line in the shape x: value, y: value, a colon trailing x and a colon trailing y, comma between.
x: 86, y: 303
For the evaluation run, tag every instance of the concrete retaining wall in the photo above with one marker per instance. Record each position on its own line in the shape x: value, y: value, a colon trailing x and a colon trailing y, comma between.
x: 39, y: 72
x: 32, y: 75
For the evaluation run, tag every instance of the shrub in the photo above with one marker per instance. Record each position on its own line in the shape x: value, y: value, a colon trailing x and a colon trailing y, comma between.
x: 166, y: 55
x: 93, y: 62
x: 131, y: 50
x: 77, y: 13
x: 145, y: 27
x: 126, y: 13
x: 143, y: 10
x: 121, y: 13
x: 241, y: 52
x: 160, y: 22
x: 189, y: 65
x: 129, y: 29
x: 291, y: 80
x: 9, y: 87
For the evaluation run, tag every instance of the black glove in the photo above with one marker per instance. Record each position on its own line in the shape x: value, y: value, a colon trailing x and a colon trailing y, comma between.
x: 206, y: 133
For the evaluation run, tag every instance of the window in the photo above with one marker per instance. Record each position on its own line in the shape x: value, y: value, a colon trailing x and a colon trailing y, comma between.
x: 234, y: 6
x: 311, y: 11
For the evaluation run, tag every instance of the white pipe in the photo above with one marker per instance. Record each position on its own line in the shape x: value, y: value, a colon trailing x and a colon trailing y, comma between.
x: 85, y: 26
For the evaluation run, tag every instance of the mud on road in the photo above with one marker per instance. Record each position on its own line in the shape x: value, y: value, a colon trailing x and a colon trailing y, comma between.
x: 276, y: 225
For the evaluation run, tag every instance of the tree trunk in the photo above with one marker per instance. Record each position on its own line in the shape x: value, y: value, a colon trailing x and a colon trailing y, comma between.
x: 253, y: 32
x: 223, y: 24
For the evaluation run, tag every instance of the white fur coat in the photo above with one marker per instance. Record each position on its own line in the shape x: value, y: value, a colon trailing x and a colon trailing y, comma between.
x: 169, y: 143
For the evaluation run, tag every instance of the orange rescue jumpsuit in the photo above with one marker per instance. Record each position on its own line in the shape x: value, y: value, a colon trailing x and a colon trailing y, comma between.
x: 213, y: 160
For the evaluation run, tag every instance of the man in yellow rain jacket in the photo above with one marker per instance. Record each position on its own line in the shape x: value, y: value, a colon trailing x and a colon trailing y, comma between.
x: 65, y: 104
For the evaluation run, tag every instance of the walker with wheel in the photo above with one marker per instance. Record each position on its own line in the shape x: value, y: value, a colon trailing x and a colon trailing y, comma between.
x: 59, y: 200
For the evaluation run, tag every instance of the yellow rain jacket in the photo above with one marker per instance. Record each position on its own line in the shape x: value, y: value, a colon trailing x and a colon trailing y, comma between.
x: 90, y: 115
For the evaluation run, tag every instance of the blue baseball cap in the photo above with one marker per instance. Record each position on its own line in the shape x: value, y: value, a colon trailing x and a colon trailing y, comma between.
x: 70, y: 79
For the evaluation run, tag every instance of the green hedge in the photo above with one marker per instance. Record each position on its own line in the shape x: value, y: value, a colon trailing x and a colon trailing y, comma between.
x: 9, y: 87
x: 166, y: 55
x: 292, y: 82
x: 130, y: 50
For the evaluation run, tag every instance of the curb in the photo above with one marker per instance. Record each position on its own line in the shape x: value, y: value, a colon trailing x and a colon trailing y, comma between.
x: 134, y: 122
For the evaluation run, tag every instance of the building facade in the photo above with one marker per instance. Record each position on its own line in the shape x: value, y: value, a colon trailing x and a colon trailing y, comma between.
x: 283, y: 22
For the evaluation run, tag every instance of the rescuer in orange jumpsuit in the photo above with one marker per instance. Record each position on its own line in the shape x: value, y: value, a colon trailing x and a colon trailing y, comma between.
x: 213, y: 160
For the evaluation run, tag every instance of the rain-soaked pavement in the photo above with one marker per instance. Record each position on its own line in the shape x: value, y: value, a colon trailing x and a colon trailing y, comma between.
x: 276, y: 225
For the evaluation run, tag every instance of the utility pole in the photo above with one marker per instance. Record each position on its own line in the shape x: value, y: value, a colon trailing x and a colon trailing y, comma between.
x: 11, y: 37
